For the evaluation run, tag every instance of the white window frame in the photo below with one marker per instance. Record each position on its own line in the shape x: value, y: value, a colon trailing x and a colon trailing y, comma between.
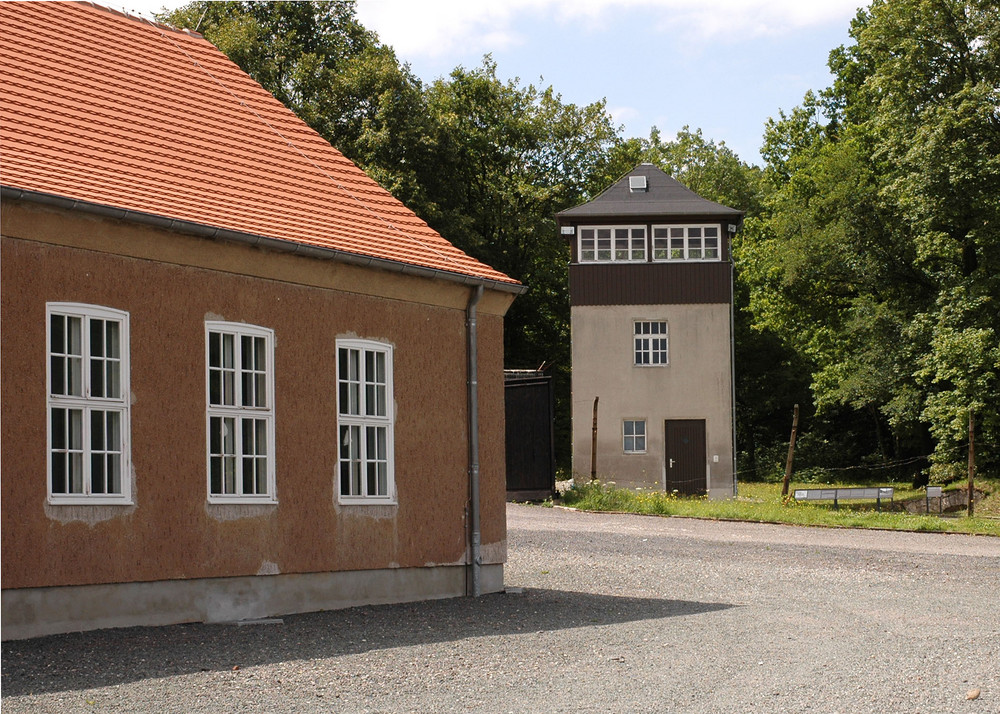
x: 87, y: 403
x: 245, y: 407
x: 358, y: 394
x: 634, y: 435
x: 677, y: 243
x: 614, y: 252
x: 650, y: 343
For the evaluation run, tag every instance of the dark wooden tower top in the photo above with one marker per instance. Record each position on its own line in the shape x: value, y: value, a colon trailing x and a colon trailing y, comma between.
x: 646, y: 191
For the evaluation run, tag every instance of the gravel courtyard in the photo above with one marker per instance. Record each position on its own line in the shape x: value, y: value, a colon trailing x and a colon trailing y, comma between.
x: 605, y: 613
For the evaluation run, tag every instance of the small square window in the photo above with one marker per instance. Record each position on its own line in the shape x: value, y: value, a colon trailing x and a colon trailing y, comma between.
x: 634, y: 436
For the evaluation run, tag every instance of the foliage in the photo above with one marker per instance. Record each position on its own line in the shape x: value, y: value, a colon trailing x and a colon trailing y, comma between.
x: 877, y: 260
x: 763, y: 503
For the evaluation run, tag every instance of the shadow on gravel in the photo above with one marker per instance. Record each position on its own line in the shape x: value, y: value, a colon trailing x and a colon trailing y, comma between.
x: 107, y: 657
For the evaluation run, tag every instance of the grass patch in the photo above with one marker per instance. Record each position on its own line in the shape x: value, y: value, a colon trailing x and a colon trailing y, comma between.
x: 763, y: 503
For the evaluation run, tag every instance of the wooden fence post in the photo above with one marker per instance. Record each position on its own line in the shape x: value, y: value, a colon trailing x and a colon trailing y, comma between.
x: 972, y: 461
x: 791, y: 451
x: 593, y: 445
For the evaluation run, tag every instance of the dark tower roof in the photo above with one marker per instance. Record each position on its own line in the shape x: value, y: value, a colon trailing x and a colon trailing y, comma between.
x: 657, y: 195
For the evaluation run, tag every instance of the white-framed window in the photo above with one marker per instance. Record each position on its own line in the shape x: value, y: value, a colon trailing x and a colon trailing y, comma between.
x: 610, y: 244
x: 88, y: 404
x: 634, y: 436
x: 686, y: 242
x: 239, y: 389
x: 651, y: 345
x: 365, y: 422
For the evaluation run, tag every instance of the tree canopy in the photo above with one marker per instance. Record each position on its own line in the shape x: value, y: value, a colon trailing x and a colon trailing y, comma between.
x: 878, y: 259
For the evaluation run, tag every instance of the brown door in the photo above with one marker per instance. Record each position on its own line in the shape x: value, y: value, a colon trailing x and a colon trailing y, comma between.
x: 685, y: 455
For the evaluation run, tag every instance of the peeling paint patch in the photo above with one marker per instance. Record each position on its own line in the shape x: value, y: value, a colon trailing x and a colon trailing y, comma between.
x: 268, y: 568
x: 236, y: 511
x: 379, y: 512
x: 91, y: 515
x: 494, y: 552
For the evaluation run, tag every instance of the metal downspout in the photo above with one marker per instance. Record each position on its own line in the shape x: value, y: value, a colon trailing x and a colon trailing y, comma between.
x: 473, y: 353
x: 732, y: 355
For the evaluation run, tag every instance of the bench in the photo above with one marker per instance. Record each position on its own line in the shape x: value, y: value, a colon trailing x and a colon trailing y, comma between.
x: 836, y: 495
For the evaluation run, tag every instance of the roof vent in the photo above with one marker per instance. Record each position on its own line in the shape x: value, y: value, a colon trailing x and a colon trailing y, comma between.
x: 636, y: 183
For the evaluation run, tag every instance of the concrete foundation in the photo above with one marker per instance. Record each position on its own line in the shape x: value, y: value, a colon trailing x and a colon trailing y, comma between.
x: 35, y: 612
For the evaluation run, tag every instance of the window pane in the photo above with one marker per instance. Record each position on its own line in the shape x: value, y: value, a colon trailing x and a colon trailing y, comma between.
x: 260, y: 390
x: 228, y: 387
x: 57, y: 334
x: 97, y: 430
x: 96, y: 337
x: 112, y: 331
x: 57, y: 371
x: 247, y: 387
x: 97, y: 377
x: 74, y: 376
x: 114, y: 474
x: 621, y: 244
x: 215, y: 474
x: 58, y: 419
x: 214, y: 349
x: 113, y: 378
x: 711, y: 231
x: 97, y: 480
x: 694, y: 232
x: 76, y: 472
x: 228, y: 351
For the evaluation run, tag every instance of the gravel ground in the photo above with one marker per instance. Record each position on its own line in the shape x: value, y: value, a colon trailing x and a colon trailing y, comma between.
x: 605, y: 613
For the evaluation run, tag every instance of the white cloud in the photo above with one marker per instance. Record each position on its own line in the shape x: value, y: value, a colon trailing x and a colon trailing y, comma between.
x: 437, y: 28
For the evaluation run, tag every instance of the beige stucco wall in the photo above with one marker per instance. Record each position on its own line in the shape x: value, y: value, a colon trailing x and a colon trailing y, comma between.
x: 170, y: 284
x: 695, y: 385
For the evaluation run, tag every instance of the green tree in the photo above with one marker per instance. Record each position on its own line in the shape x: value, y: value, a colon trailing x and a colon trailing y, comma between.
x: 879, y: 261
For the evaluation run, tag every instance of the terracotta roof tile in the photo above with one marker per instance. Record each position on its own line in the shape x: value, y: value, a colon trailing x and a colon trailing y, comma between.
x: 113, y: 110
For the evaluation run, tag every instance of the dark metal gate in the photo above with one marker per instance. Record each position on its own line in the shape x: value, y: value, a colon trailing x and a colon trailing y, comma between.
x: 531, y: 461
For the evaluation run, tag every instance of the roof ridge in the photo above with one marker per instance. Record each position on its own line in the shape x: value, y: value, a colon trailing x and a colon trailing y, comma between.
x: 139, y: 18
x: 291, y: 143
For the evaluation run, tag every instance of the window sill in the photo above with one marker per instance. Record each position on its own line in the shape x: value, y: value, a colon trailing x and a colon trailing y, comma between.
x: 238, y: 501
x: 89, y: 501
x: 367, y: 501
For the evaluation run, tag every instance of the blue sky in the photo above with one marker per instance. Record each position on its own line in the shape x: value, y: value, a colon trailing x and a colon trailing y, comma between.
x: 723, y: 66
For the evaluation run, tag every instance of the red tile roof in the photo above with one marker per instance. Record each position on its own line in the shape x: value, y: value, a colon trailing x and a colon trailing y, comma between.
x: 116, y: 111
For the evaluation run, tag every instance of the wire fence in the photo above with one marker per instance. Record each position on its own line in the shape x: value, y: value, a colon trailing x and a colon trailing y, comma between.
x: 746, y: 474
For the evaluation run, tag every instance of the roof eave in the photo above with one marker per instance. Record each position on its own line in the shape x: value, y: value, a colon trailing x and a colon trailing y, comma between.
x: 276, y: 244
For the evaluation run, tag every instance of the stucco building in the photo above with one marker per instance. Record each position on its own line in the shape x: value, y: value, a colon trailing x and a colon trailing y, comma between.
x: 651, y: 319
x: 239, y: 378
